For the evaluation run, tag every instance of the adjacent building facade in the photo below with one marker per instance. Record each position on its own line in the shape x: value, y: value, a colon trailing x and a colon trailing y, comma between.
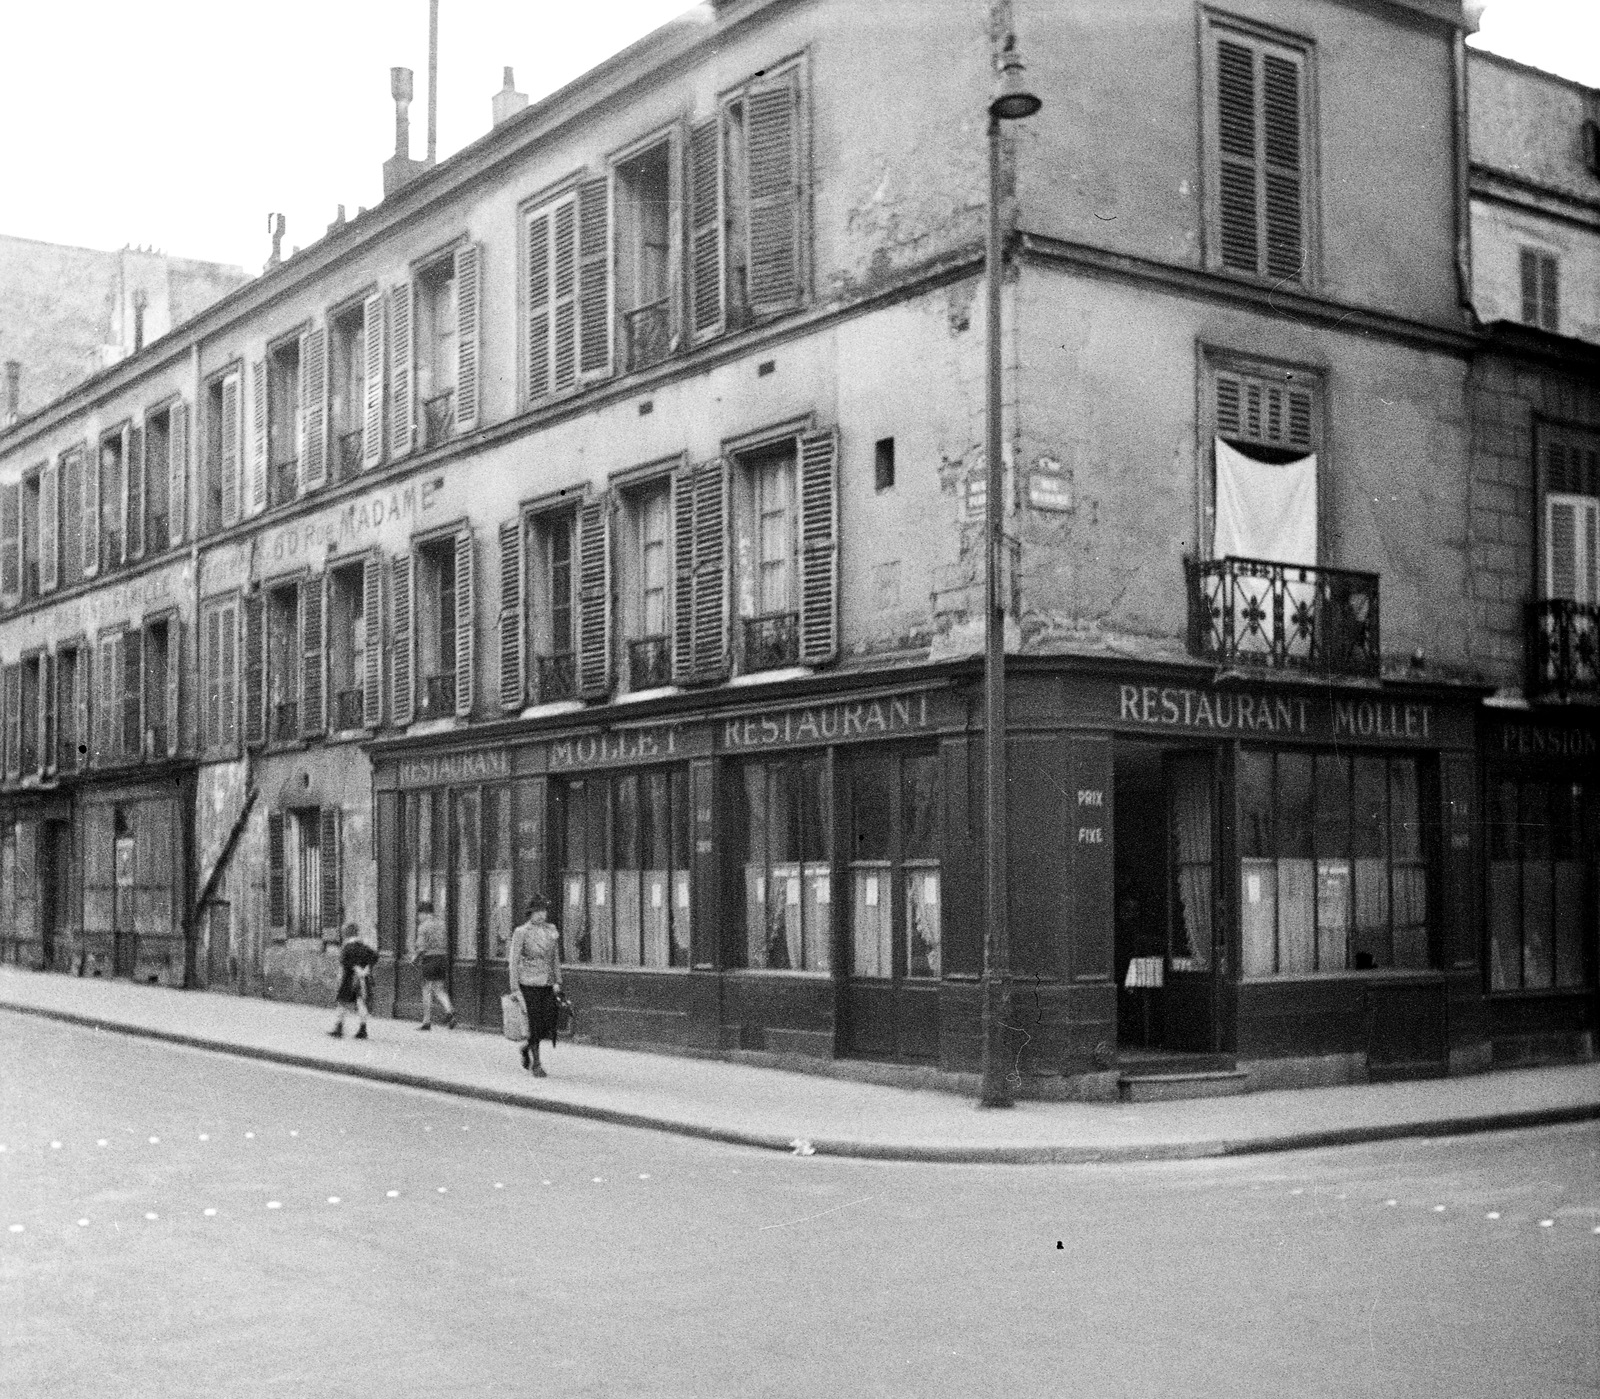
x: 602, y: 517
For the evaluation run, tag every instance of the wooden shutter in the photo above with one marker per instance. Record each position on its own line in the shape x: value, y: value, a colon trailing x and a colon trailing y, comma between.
x: 175, y: 669
x: 1253, y: 409
x: 134, y: 497
x: 466, y: 624
x: 772, y: 194
x: 563, y: 295
x: 108, y: 671
x: 1236, y: 139
x: 594, y: 599
x: 277, y: 884
x: 131, y: 747
x: 47, y: 713
x: 83, y: 673
x: 683, y: 574
x: 11, y: 543
x: 1570, y: 542
x: 1260, y: 137
x: 705, y: 227
x: 90, y: 515
x: 211, y: 713
x: 232, y: 448
x: 1282, y: 147
x: 314, y: 655
x: 49, y: 527
x: 1529, y: 260
x: 314, y: 408
x: 13, y: 710
x: 1549, y: 293
x: 253, y: 644
x: 332, y: 896
x: 469, y: 299
x: 819, y: 547
x: 512, y: 624
x: 177, y: 467
x: 258, y: 436
x: 594, y: 277
x: 372, y: 381
x: 539, y: 305
x: 700, y: 508
x: 402, y: 661
x: 372, y: 655
x: 401, y: 371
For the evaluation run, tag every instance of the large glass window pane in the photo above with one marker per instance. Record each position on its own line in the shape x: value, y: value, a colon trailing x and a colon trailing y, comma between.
x: 871, y: 912
x: 1190, y: 795
x: 1332, y: 835
x: 1567, y: 855
x: 816, y: 868
x: 469, y: 874
x: 919, y: 821
x: 1369, y: 847
x: 627, y: 913
x: 572, y: 825
x: 1258, y: 873
x: 1538, y: 887
x: 655, y: 879
x: 1408, y: 880
x: 681, y: 903
x: 601, y: 927
x: 1505, y: 889
x: 1257, y: 834
x: 497, y: 846
x: 1297, y: 888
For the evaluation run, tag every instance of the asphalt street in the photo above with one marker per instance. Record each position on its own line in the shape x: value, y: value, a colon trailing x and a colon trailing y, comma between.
x: 175, y: 1222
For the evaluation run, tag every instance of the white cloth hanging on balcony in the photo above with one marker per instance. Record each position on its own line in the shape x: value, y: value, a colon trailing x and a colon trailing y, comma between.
x: 1265, y: 511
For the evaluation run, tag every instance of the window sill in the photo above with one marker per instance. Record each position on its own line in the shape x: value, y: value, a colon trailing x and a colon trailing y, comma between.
x: 544, y: 711
x: 634, y: 696
x: 433, y: 726
x: 347, y: 735
x: 771, y: 677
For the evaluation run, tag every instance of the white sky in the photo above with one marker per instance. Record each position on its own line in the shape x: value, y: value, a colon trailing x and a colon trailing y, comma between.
x: 181, y: 124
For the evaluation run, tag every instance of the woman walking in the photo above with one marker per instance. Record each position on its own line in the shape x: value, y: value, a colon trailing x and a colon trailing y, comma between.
x: 534, y: 961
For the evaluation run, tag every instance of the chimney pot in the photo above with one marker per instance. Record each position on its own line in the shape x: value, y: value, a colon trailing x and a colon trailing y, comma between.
x: 508, y: 101
x: 399, y: 169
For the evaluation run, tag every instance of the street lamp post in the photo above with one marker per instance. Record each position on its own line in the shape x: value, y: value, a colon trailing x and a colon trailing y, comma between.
x: 1011, y: 101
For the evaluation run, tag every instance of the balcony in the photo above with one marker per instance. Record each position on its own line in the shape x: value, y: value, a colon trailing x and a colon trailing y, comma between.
x: 647, y: 333
x: 557, y: 677
x: 348, y: 454
x: 285, y: 721
x: 772, y: 642
x: 439, y: 696
x: 1563, y: 650
x: 349, y: 710
x: 1252, y: 612
x: 283, y: 481
x: 649, y: 663
x: 438, y: 418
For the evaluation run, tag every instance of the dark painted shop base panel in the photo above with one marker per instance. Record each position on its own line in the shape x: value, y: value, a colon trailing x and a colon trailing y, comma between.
x: 1558, y: 1028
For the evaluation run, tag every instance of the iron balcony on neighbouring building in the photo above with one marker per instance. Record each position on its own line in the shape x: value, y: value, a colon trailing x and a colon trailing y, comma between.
x: 1563, y: 650
x: 1254, y: 612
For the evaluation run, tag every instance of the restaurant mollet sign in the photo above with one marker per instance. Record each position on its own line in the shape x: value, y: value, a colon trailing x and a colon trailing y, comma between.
x: 1292, y: 716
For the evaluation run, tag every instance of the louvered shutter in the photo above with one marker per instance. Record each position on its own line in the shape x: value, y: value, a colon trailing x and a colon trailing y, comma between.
x: 106, y: 710
x: 175, y: 671
x: 83, y: 674
x: 1236, y: 133
x: 13, y: 708
x: 314, y: 408
x: 594, y: 277
x: 372, y: 381
x: 91, y: 515
x: 1257, y: 410
x: 372, y: 655
x: 49, y: 527
x: 512, y: 627
x: 211, y: 716
x: 594, y: 599
x: 705, y: 228
x: 332, y: 900
x: 133, y: 501
x: 132, y: 746
x: 1549, y: 293
x: 466, y: 596
x: 1281, y: 148
x: 1570, y: 530
x: 11, y: 543
x: 563, y: 295
x: 1260, y: 159
x: 772, y: 207
x: 402, y: 377
x: 683, y: 574
x: 232, y: 624
x: 709, y: 649
x: 539, y: 307
x: 819, y: 547
x: 47, y: 713
x: 277, y: 883
x: 253, y: 643
x: 177, y: 466
x: 1529, y: 261
x: 258, y: 437
x: 314, y: 656
x: 469, y: 300
x: 402, y: 660
x: 232, y: 449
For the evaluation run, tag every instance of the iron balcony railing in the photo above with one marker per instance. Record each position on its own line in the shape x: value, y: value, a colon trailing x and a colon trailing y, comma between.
x: 649, y: 663
x: 438, y: 418
x: 648, y: 333
x: 439, y: 696
x: 772, y: 641
x: 349, y: 710
x: 557, y: 677
x: 1283, y: 616
x: 350, y: 450
x: 1563, y: 650
x: 285, y: 721
x: 283, y: 480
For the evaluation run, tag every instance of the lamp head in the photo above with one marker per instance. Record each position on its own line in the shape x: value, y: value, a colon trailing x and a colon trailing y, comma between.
x: 1012, y: 100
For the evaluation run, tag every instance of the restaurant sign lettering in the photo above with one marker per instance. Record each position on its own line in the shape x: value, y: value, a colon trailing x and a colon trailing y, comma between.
x: 1257, y: 713
x: 846, y: 721
x: 621, y: 746
x: 451, y: 769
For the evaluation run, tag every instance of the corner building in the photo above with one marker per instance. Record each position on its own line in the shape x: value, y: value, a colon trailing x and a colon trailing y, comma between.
x: 602, y: 517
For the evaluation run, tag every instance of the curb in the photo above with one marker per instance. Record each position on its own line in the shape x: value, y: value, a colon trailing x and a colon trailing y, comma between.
x: 856, y: 1150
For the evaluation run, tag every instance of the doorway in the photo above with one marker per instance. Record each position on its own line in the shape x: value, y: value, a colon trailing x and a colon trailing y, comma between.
x: 55, y: 904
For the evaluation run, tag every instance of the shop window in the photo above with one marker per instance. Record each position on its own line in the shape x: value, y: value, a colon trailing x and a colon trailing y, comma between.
x: 1333, y: 869
x: 304, y: 896
x: 284, y: 424
x: 223, y: 438
x: 1541, y: 852
x: 895, y: 866
x: 781, y: 852
x: 623, y: 853
x: 1541, y: 288
x: 347, y: 646
x: 644, y: 206
x: 219, y: 635
x: 1192, y: 932
x: 644, y: 584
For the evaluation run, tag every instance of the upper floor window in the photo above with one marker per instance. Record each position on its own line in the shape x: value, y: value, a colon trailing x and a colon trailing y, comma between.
x: 113, y: 467
x: 353, y: 643
x: 433, y: 346
x: 1569, y: 477
x: 355, y: 387
x: 569, y: 289
x: 1259, y: 151
x: 645, y: 198
x: 436, y: 350
x: 644, y: 583
x: 284, y: 425
x: 433, y: 667
x: 1267, y: 428
x: 1541, y: 294
x: 219, y: 662
x: 223, y: 435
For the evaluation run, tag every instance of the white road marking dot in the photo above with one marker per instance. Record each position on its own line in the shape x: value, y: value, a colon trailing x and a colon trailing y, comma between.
x: 333, y: 1199
x: 1438, y: 1209
x: 394, y: 1194
x: 154, y: 1140
x: 249, y: 1134
x: 544, y: 1182
x: 644, y: 1175
x: 274, y: 1205
x: 16, y: 1228
x: 83, y: 1224
x: 1297, y: 1192
x: 55, y: 1146
x: 598, y: 1180
x: 1391, y: 1202
x: 101, y: 1142
x: 1546, y: 1223
x: 149, y: 1215
x: 444, y: 1189
x: 209, y: 1213
x: 499, y: 1185
x: 205, y: 1136
x: 294, y: 1133
x: 1493, y: 1214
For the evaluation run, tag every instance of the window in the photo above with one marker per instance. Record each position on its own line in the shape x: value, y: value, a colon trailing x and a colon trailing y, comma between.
x: 355, y: 387
x: 11, y: 700
x: 436, y: 628
x: 895, y: 881
x: 223, y: 436
x: 434, y: 640
x: 1259, y: 143
x: 11, y: 543
x: 645, y: 584
x: 71, y: 516
x: 113, y: 467
x: 29, y: 523
x: 645, y: 206
x: 304, y: 896
x: 349, y: 635
x: 1569, y: 474
x: 155, y: 513
x: 436, y: 351
x: 31, y: 712
x: 284, y: 423
x: 283, y: 651
x: 883, y: 464
x: 1333, y: 867
x: 781, y: 851
x: 118, y: 687
x: 1541, y: 303
x: 1541, y: 848
x: 219, y: 634
x: 72, y: 707
x: 569, y: 289
x: 623, y: 853
x: 160, y: 692
x: 553, y: 613
x: 767, y: 551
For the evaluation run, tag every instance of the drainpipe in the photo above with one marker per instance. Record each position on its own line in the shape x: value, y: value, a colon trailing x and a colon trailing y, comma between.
x: 1460, y: 133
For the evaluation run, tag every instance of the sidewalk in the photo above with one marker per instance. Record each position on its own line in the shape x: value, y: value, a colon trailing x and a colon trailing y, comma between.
x: 772, y: 1109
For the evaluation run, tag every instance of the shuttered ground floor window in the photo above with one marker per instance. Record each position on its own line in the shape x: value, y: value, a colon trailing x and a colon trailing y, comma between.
x: 622, y: 849
x: 305, y: 893
x: 1542, y: 856
x: 1333, y: 864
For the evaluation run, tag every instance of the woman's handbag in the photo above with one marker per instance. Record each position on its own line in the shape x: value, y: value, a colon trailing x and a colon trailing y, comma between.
x: 514, y: 1017
x: 565, y: 1015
